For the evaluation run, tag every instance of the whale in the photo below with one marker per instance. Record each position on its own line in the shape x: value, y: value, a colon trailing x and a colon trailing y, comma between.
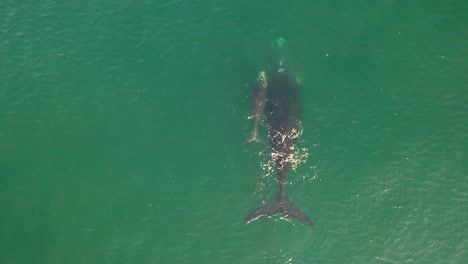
x: 259, y: 98
x: 282, y: 113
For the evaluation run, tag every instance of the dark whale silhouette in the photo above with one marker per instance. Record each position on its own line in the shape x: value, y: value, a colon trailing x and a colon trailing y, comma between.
x: 282, y: 110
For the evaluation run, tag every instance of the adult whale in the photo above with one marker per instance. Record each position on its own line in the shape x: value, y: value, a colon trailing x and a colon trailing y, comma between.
x: 282, y: 109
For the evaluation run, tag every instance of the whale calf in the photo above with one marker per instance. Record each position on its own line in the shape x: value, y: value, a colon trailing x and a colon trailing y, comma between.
x: 260, y: 92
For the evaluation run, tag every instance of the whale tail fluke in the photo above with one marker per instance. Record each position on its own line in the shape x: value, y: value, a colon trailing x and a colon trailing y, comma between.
x: 254, y: 137
x: 279, y: 204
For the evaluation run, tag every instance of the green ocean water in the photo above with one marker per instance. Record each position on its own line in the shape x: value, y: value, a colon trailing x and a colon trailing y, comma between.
x: 122, y: 122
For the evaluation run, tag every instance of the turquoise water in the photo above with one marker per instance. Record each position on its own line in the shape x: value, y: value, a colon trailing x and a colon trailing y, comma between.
x: 121, y: 127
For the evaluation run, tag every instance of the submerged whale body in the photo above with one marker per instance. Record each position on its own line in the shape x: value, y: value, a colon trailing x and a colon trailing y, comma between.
x: 282, y: 109
x: 260, y: 93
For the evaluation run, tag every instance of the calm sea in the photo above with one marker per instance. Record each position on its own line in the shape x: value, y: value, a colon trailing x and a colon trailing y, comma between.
x: 122, y: 122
